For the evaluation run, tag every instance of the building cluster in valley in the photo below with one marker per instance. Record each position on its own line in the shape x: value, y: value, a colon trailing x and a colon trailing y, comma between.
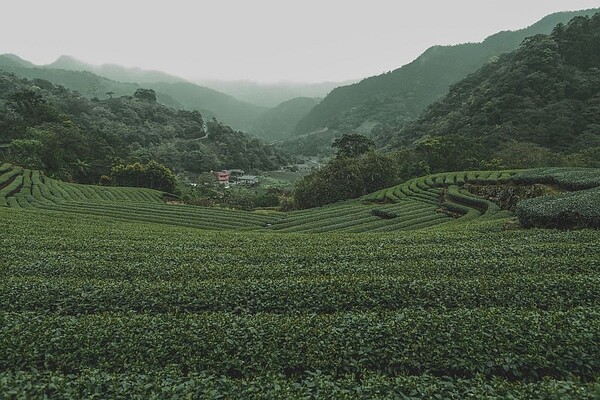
x: 236, y: 177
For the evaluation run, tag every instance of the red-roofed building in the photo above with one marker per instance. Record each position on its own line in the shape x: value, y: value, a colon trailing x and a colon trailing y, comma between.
x: 222, y: 176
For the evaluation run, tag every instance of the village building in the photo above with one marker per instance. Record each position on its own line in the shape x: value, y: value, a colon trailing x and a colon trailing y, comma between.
x: 222, y: 176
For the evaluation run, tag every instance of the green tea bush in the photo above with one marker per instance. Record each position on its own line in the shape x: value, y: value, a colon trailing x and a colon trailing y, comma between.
x: 566, y: 178
x: 579, y: 209
x: 383, y: 214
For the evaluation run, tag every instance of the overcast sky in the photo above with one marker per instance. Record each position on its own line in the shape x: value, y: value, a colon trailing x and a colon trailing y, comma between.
x: 260, y: 40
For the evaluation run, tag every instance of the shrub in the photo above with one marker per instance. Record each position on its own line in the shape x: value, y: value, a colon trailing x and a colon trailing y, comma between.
x: 566, y: 211
x: 567, y: 178
x: 383, y: 214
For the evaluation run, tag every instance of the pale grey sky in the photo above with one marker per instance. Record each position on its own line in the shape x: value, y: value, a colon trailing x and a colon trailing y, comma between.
x: 261, y: 40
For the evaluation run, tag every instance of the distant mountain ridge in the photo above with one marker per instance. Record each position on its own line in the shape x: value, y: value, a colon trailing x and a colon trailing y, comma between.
x: 75, y: 75
x: 239, y: 114
x: 114, y: 72
x: 13, y: 60
x: 86, y: 83
x: 397, y: 97
x: 272, y: 94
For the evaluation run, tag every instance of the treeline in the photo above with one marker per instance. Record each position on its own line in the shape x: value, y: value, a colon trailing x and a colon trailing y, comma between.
x: 356, y: 170
x: 152, y: 175
x: 47, y: 127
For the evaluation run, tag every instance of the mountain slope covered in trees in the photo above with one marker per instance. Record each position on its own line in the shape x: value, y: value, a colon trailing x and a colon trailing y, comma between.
x: 543, y: 98
x: 48, y: 127
x: 238, y: 114
x: 394, y: 98
x: 87, y: 83
x: 177, y: 94
x: 278, y: 122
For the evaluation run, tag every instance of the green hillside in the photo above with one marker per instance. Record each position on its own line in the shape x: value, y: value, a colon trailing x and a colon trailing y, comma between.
x: 399, y: 96
x: 240, y: 115
x: 97, y: 82
x: 111, y: 292
x: 278, y: 122
x: 85, y: 82
x: 94, y: 307
x: 47, y: 127
x: 440, y: 200
x: 546, y: 93
x: 429, y: 233
x: 26, y: 189
x: 236, y: 113
x: 113, y: 71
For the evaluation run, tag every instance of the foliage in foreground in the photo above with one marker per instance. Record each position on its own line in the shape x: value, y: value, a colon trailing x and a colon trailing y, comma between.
x: 27, y: 385
x: 476, y: 312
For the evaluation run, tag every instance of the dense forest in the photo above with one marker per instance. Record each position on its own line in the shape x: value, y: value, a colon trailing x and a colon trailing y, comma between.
x: 387, y: 102
x: 278, y: 123
x: 532, y: 107
x: 96, y: 82
x: 48, y: 127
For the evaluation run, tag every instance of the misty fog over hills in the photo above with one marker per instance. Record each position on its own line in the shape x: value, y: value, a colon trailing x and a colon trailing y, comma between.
x: 230, y: 200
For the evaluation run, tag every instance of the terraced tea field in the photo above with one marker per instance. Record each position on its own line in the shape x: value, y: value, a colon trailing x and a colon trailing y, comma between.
x: 416, y: 204
x: 97, y: 307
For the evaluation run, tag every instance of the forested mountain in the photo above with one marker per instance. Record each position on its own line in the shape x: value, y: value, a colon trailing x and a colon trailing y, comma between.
x: 278, y: 123
x: 48, y: 127
x: 114, y: 72
x: 14, y: 61
x: 543, y: 98
x: 394, y: 98
x: 87, y: 83
x: 182, y: 95
x: 238, y: 114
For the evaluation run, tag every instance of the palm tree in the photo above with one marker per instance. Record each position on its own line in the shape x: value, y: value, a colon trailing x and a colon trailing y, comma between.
x: 81, y: 168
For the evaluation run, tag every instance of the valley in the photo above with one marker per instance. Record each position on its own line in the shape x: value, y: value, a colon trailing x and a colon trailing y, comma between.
x: 432, y: 232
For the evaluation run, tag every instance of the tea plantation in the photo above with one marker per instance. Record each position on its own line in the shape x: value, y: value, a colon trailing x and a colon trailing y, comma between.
x: 431, y: 201
x: 92, y: 306
x: 110, y: 293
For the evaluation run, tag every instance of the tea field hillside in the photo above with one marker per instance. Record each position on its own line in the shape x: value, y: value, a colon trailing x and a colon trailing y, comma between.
x: 439, y: 200
x: 95, y: 307
x: 416, y: 291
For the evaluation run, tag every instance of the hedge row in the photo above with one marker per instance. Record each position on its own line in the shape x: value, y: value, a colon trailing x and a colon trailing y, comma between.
x: 510, y: 343
x: 579, y: 209
x: 169, y: 384
x: 67, y: 296
x: 567, y: 178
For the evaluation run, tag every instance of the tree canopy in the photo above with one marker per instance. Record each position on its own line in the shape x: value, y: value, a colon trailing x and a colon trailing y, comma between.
x: 48, y: 127
x: 352, y: 145
x: 545, y: 94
